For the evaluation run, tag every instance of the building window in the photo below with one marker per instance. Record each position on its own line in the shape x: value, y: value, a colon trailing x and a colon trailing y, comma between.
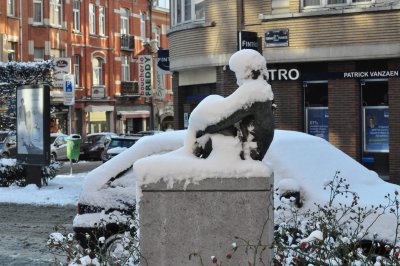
x: 143, y: 26
x: 92, y: 19
x: 125, y: 72
x: 327, y: 3
x: 185, y: 11
x: 97, y: 64
x: 56, y: 12
x: 102, y: 20
x: 124, y: 14
x: 77, y: 16
x: 38, y: 11
x: 10, y: 7
x: 163, y: 3
x: 12, y: 48
x: 157, y: 35
x: 38, y: 54
x: 76, y: 69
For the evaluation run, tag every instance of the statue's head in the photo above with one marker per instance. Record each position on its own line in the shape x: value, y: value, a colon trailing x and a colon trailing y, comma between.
x: 248, y: 64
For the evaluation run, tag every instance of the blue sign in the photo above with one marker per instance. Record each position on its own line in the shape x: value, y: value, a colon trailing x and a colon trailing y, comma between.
x: 277, y: 38
x: 317, y: 119
x: 68, y: 86
x: 376, y: 129
x: 163, y: 60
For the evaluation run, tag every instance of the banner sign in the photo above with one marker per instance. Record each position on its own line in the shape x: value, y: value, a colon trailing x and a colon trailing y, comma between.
x: 277, y: 38
x: 145, y: 69
x: 33, y: 127
x: 62, y: 66
x: 247, y: 40
x: 317, y: 119
x: 376, y: 129
x: 163, y: 61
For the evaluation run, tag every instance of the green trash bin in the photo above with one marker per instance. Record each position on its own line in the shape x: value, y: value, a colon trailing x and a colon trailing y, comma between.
x: 73, y: 147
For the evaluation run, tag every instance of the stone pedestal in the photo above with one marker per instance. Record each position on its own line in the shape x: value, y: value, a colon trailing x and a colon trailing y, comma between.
x: 205, y: 218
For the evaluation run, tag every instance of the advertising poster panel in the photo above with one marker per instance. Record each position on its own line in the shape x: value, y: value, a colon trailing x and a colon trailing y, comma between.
x: 376, y: 129
x: 161, y: 70
x: 317, y: 119
x: 32, y: 124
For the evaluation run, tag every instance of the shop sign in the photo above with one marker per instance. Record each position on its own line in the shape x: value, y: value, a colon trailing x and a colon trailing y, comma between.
x: 69, y: 89
x: 371, y: 74
x: 317, y: 122
x: 163, y: 61
x: 62, y: 66
x: 161, y: 71
x: 145, y: 69
x: 284, y: 74
x: 277, y: 38
x: 247, y: 40
x: 376, y: 129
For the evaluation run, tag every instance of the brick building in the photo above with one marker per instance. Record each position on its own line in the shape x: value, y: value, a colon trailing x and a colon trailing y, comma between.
x: 103, y: 40
x: 333, y: 64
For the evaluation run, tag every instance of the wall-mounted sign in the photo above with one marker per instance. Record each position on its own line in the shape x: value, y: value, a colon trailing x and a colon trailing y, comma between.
x: 317, y: 119
x: 145, y: 69
x: 163, y: 60
x: 162, y: 70
x: 376, y: 129
x: 371, y: 74
x: 98, y: 92
x: 284, y: 74
x: 62, y: 66
x: 247, y: 40
x: 277, y: 38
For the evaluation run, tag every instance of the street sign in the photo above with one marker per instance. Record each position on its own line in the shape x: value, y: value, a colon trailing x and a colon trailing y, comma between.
x: 62, y: 66
x: 69, y: 89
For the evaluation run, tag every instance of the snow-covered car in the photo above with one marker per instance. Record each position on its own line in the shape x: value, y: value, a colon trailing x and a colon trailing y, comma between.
x: 118, y: 145
x: 300, y: 162
x: 108, y: 195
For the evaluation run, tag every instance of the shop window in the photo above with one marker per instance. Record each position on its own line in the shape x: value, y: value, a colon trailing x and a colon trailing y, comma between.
x: 375, y: 126
x: 195, y: 93
x: 316, y: 109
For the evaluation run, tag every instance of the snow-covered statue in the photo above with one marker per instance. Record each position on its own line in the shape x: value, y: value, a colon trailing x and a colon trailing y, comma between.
x: 245, y: 115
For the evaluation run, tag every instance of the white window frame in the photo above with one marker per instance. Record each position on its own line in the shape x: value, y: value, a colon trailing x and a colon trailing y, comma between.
x: 92, y: 18
x: 157, y: 35
x: 77, y: 15
x: 97, y: 65
x: 102, y: 20
x: 124, y: 21
x: 56, y: 12
x: 143, y: 26
x: 125, y: 68
x: 77, y: 59
x: 187, y: 11
x: 324, y: 4
x: 38, y: 3
x: 11, y: 7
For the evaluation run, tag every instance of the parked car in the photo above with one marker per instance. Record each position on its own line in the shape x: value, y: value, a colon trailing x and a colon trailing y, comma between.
x: 108, y: 197
x: 118, y: 145
x: 58, y: 146
x: 8, y: 144
x: 94, y: 145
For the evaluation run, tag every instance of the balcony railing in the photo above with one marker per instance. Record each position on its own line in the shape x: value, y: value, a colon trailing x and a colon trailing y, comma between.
x: 130, y: 88
x: 127, y: 42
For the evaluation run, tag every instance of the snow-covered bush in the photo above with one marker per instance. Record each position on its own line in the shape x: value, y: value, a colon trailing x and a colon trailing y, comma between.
x: 12, y: 173
x: 121, y: 249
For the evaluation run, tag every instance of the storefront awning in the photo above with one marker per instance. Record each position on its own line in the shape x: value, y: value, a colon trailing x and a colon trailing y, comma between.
x: 99, y: 108
x: 134, y: 114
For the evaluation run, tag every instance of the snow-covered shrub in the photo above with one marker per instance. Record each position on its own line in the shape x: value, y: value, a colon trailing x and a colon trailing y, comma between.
x: 121, y: 249
x: 12, y: 173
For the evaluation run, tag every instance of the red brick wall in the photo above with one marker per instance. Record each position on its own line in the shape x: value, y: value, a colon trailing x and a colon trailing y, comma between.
x: 344, y: 111
x: 394, y: 127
